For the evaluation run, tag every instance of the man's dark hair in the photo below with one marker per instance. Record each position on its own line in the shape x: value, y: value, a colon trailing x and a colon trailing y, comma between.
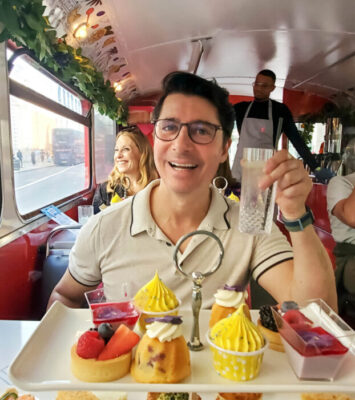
x: 269, y: 73
x: 190, y: 84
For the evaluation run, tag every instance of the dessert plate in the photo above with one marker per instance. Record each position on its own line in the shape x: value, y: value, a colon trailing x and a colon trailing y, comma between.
x: 44, y: 363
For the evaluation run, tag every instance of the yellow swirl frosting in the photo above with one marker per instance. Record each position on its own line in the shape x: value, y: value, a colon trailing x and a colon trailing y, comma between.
x: 155, y: 296
x: 237, y: 333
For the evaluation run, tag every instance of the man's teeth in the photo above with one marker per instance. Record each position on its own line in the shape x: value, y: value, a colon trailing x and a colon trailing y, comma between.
x: 183, y: 166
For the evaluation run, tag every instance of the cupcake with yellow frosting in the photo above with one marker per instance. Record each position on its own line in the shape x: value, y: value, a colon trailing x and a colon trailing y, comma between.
x: 155, y: 300
x: 237, y: 347
x: 227, y: 301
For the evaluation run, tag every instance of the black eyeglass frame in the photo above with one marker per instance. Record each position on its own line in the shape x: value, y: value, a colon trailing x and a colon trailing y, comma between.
x: 187, y: 124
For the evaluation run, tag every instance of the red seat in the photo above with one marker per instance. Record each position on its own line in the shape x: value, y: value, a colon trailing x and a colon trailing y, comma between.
x: 317, y: 201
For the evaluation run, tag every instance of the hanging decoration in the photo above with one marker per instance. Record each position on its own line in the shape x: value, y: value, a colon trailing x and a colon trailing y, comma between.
x: 30, y: 24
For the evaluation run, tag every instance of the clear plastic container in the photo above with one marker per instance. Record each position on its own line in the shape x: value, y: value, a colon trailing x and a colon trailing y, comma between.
x: 317, y: 349
x: 119, y: 311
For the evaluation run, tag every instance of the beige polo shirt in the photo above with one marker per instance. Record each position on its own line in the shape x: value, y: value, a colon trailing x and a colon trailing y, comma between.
x: 339, y: 188
x: 124, y: 244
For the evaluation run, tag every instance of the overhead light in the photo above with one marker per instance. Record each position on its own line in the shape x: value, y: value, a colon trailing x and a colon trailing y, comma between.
x: 117, y: 86
x: 81, y: 31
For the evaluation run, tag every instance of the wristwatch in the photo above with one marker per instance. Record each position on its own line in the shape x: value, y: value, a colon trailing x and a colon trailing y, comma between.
x: 300, y: 223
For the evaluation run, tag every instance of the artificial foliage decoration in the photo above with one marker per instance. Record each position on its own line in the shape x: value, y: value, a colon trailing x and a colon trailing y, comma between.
x: 22, y: 21
x: 346, y: 114
x: 306, y: 132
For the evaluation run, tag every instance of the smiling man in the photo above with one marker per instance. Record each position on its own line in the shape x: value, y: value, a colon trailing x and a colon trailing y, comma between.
x: 257, y: 123
x: 131, y: 240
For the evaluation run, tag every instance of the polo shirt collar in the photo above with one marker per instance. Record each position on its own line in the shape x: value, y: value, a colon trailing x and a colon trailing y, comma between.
x: 142, y: 220
x: 141, y: 217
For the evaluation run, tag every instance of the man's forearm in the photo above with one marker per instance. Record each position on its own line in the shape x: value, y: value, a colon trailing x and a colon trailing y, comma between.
x: 72, y: 303
x: 313, y: 275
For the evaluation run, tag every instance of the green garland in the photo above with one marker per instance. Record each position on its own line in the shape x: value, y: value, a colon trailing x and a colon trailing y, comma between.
x: 330, y: 110
x: 23, y: 22
x: 306, y: 132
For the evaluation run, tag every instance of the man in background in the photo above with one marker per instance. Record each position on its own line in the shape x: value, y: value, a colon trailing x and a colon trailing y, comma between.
x: 20, y: 157
x: 258, y: 120
x: 341, y: 210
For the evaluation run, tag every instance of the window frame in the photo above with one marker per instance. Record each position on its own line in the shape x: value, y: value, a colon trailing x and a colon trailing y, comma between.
x: 27, y: 94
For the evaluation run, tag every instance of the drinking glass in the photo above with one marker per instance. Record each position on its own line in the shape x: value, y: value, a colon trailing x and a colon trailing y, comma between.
x: 256, y: 205
x: 84, y: 213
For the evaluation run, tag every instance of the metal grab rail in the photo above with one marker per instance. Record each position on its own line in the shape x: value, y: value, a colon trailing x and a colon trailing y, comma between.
x: 59, y: 229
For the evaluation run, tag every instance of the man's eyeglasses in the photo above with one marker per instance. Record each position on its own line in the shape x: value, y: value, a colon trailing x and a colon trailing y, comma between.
x: 262, y: 85
x: 199, y: 132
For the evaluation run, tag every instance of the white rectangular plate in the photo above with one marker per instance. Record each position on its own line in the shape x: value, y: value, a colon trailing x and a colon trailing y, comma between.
x: 143, y: 395
x: 44, y: 363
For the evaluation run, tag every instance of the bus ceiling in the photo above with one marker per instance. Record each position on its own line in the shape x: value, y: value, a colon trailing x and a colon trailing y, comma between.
x: 310, y: 45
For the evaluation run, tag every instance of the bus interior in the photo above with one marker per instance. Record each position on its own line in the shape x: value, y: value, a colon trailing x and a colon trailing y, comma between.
x: 57, y: 139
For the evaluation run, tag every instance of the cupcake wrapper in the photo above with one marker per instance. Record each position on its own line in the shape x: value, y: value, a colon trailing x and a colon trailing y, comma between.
x: 234, y: 365
x: 236, y: 368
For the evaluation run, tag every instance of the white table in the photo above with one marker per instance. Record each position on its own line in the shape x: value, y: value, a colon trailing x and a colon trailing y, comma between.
x: 14, y: 334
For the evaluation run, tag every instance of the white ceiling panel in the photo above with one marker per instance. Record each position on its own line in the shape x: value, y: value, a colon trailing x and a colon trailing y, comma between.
x: 310, y: 44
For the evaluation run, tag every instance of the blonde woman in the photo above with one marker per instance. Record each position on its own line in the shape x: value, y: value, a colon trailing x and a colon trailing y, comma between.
x: 134, y: 168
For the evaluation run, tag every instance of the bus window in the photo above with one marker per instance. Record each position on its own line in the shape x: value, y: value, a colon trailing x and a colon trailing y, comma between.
x: 315, y: 138
x: 26, y: 72
x: 50, y: 141
x: 51, y: 160
x: 67, y: 146
x: 105, y: 136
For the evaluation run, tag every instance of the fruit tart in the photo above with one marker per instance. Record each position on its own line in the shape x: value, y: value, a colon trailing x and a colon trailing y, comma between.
x: 268, y: 328
x: 103, y: 355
